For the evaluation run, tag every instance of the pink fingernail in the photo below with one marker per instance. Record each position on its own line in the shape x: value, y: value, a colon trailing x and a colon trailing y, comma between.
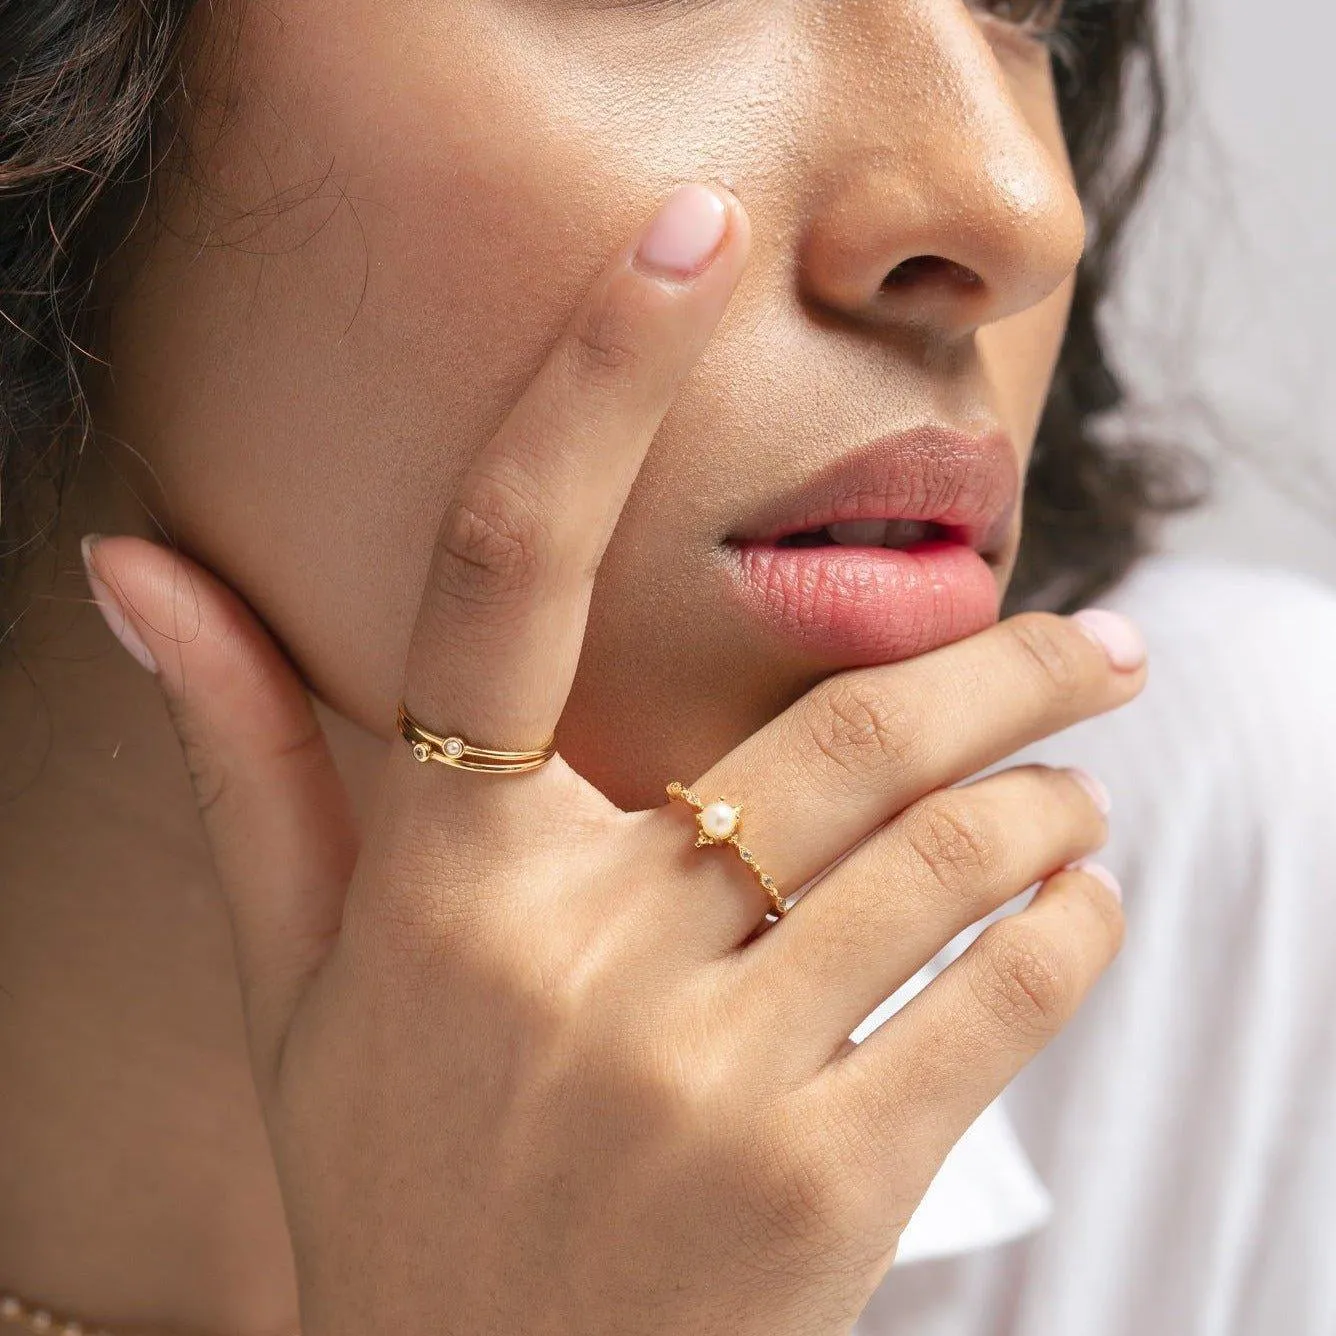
x: 685, y: 233
x: 1115, y: 634
x: 112, y: 612
x: 1102, y: 875
x: 1094, y: 787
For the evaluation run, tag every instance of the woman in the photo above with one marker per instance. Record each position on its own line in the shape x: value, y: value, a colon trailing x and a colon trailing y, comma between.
x: 401, y: 323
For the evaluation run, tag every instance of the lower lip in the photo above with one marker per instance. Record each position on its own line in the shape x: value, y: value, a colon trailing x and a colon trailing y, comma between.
x: 865, y: 605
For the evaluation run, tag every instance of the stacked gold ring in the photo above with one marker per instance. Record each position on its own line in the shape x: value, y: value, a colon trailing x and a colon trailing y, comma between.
x: 716, y: 823
x: 721, y: 823
x: 453, y: 750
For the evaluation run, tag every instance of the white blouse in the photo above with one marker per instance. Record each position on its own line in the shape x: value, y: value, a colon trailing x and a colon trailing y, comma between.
x: 1167, y: 1167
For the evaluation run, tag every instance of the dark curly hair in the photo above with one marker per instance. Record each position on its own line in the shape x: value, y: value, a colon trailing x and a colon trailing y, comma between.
x: 88, y: 90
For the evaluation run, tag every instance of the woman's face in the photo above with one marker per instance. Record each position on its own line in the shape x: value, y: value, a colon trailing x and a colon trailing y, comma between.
x: 393, y: 209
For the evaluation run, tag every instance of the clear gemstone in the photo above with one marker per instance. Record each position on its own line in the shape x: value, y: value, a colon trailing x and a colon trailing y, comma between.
x: 421, y: 751
x: 454, y: 747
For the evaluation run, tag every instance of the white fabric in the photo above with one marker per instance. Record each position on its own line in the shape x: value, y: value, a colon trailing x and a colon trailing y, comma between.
x: 1183, y: 1127
x: 985, y: 1193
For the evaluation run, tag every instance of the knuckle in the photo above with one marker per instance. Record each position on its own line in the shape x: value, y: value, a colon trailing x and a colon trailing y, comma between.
x: 548, y: 999
x: 858, y: 728
x: 492, y: 545
x: 1024, y: 981
x: 1046, y: 641
x: 671, y: 1090
x: 605, y: 346
x: 952, y: 839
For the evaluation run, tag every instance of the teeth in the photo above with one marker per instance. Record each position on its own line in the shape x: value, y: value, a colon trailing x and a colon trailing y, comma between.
x: 900, y: 533
x: 878, y: 533
x: 859, y: 533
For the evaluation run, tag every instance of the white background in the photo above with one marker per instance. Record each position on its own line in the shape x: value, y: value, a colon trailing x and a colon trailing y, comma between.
x: 1224, y: 322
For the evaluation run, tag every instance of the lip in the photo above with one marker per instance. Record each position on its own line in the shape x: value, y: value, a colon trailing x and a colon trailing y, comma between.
x: 967, y: 484
x: 852, y: 604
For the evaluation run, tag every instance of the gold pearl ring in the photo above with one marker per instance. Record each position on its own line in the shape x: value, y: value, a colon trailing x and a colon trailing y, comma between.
x: 720, y: 822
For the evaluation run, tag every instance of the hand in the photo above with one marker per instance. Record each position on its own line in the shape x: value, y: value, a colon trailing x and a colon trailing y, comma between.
x: 524, y: 1063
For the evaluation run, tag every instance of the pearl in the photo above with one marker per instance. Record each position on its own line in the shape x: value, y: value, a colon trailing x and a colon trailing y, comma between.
x: 719, y: 820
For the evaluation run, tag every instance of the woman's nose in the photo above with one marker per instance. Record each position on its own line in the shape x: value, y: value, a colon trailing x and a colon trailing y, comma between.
x: 945, y: 206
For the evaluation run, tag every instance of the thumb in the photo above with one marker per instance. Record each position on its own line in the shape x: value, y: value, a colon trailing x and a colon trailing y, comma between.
x: 278, y: 819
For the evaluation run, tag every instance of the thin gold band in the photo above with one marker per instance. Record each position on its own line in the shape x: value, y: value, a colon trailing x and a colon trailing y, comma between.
x: 731, y: 829
x: 451, y: 749
x: 720, y: 823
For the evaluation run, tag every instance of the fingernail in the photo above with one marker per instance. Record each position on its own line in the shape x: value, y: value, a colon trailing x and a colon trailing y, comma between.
x: 1094, y: 787
x: 112, y: 612
x: 684, y: 235
x: 1103, y: 875
x: 1117, y: 635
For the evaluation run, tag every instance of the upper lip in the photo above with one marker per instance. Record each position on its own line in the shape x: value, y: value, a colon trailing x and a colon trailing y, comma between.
x: 968, y: 484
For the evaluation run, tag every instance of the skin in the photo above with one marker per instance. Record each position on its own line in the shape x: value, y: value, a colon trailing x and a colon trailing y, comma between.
x: 453, y: 180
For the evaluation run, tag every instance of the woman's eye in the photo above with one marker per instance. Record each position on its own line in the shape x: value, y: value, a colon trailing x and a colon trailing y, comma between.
x: 1041, y: 17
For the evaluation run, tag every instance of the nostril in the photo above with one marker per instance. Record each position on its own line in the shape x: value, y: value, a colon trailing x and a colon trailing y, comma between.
x: 930, y: 269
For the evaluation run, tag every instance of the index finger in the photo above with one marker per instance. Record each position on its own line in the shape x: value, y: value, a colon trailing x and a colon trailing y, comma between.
x: 503, y: 612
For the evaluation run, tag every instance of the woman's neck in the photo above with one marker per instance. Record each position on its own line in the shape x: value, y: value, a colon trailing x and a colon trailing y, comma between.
x: 136, y: 1185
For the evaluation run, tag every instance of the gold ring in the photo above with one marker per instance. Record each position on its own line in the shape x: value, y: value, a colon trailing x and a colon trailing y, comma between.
x: 721, y: 823
x: 451, y: 749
